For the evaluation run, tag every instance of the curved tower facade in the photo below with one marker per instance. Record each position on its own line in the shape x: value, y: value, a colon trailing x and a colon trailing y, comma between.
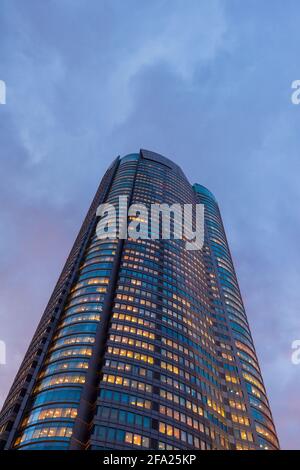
x: 245, y: 388
x: 144, y: 344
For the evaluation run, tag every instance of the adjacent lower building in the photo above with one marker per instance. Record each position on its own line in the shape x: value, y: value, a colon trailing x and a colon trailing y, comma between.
x: 143, y: 344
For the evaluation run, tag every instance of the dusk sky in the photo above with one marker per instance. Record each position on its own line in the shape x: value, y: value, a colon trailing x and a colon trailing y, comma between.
x: 204, y: 82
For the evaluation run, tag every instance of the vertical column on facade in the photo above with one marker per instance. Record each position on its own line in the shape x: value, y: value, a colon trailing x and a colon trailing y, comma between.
x: 128, y: 376
x: 122, y: 186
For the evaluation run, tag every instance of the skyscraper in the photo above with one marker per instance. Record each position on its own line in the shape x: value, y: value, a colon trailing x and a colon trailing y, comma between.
x: 143, y: 344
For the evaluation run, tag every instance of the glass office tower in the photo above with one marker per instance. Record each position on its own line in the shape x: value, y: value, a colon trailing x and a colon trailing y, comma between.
x: 144, y: 344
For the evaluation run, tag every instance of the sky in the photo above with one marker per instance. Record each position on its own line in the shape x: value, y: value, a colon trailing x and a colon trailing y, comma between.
x: 204, y: 82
